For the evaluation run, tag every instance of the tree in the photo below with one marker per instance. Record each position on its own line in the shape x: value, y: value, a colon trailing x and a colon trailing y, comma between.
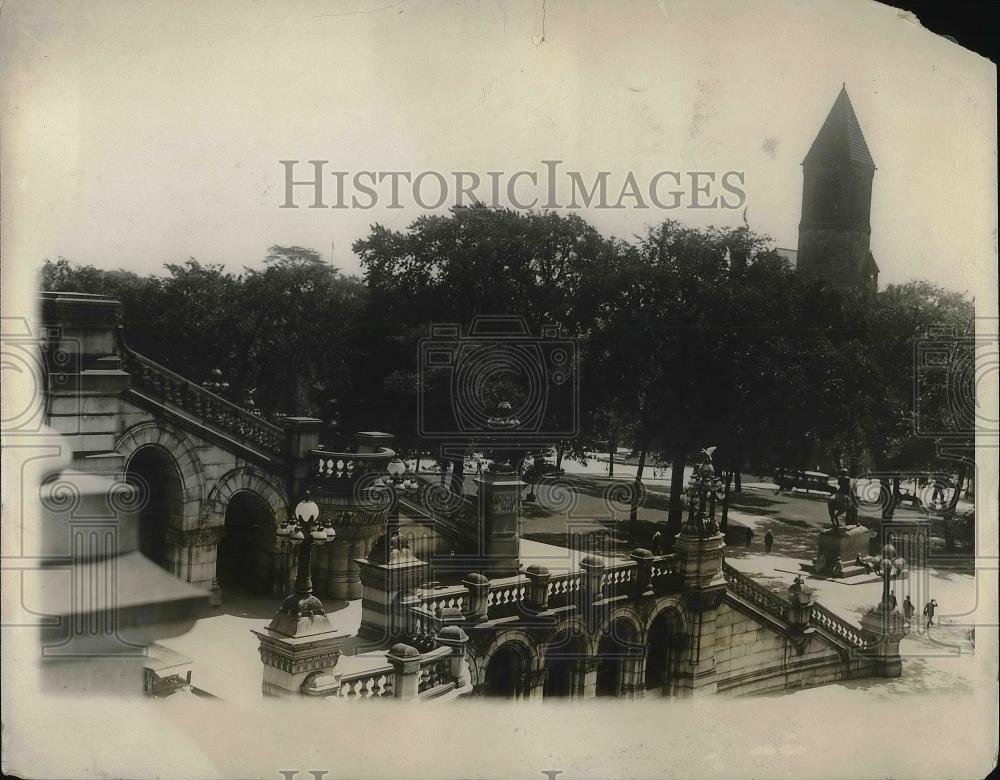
x: 474, y: 263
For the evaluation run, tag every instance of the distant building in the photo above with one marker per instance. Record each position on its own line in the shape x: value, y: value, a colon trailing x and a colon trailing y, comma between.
x: 835, y: 229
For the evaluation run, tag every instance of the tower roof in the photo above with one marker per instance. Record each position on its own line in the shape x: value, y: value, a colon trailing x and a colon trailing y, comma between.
x: 840, y: 139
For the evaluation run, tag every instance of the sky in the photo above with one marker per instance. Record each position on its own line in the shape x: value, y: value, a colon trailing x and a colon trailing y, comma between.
x: 142, y: 133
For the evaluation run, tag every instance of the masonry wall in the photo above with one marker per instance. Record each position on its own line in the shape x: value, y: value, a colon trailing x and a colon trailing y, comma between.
x: 751, y: 657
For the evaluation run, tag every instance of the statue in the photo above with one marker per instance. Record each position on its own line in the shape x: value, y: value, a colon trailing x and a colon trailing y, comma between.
x: 842, y: 503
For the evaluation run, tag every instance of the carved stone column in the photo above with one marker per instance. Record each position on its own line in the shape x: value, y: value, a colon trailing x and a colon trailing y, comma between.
x: 704, y: 589
x: 531, y: 686
x: 585, y: 675
x: 192, y: 555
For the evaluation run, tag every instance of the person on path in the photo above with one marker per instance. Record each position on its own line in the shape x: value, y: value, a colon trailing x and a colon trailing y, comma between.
x: 929, y: 612
x: 768, y: 540
x: 908, y: 609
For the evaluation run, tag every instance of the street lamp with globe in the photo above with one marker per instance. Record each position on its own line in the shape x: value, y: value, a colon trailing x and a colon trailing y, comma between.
x: 885, y: 564
x: 305, y: 529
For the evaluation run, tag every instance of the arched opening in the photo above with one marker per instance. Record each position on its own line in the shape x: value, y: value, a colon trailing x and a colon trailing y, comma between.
x: 562, y: 665
x: 503, y: 673
x: 238, y: 566
x: 616, y: 653
x: 161, y: 498
x: 660, y: 656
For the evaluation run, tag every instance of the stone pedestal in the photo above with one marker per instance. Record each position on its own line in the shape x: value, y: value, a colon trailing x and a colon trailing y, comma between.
x: 382, y: 586
x: 500, y: 515
x: 890, y: 627
x: 289, y: 660
x: 844, y: 543
x: 704, y: 588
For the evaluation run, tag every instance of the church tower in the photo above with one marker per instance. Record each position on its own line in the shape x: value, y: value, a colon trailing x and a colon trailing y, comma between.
x: 835, y: 229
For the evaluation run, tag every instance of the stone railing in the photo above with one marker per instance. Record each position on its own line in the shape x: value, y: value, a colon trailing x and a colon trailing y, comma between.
x: 369, y: 684
x: 351, y: 473
x: 776, y: 606
x: 164, y: 385
x: 434, y: 673
x: 408, y: 675
x: 834, y: 624
x: 745, y: 587
x: 504, y: 597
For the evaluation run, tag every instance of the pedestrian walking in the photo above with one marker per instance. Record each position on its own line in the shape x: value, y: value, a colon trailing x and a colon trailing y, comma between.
x: 893, y: 603
x: 929, y: 612
x: 908, y: 609
x: 768, y: 540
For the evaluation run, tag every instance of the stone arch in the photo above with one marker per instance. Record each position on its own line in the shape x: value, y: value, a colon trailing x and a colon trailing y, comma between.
x: 620, y: 654
x: 517, y: 642
x: 627, y: 615
x: 249, y: 549
x: 572, y: 625
x: 566, y: 656
x: 664, y: 604
x: 664, y: 639
x: 252, y: 480
x: 182, y: 452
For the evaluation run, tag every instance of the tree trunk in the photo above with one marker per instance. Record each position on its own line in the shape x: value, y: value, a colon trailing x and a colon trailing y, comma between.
x: 725, y: 502
x: 675, y: 516
x: 633, y: 516
x: 887, y: 498
x: 953, y: 503
x: 739, y: 480
x: 559, y: 455
x: 458, y: 476
x: 612, y: 446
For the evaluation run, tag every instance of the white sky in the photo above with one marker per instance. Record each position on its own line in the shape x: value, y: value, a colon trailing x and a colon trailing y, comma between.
x: 144, y: 132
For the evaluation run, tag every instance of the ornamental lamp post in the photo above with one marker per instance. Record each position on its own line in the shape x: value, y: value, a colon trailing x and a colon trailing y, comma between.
x: 703, y: 491
x: 304, y: 530
x: 885, y: 564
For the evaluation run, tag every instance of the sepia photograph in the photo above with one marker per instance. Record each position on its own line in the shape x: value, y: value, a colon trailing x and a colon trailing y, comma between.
x: 498, y: 389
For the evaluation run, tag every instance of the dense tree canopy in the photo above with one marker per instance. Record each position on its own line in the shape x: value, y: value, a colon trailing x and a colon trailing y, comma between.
x: 281, y: 332
x: 680, y: 338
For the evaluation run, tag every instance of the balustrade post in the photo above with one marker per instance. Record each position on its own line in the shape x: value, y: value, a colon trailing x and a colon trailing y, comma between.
x: 455, y: 638
x: 475, y: 608
x: 643, y: 572
x: 405, y: 661
x: 538, y: 588
x: 593, y: 573
x: 450, y: 616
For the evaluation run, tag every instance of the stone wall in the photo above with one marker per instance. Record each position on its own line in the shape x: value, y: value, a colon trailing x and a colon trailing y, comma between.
x: 751, y: 657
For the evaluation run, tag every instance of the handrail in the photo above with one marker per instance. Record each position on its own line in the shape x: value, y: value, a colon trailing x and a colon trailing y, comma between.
x: 368, y: 684
x: 173, y: 388
x: 856, y: 637
x: 776, y: 606
x: 755, y: 593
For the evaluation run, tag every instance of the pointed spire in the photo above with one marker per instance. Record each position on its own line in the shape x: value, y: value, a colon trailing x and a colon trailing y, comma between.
x: 840, y: 139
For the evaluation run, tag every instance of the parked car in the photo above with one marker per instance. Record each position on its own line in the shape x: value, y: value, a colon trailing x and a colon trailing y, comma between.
x: 790, y: 479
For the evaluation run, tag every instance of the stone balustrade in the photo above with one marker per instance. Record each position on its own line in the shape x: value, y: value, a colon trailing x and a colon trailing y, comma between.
x: 858, y: 638
x: 508, y: 595
x: 408, y: 674
x: 777, y: 607
x: 165, y: 386
x: 350, y: 473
